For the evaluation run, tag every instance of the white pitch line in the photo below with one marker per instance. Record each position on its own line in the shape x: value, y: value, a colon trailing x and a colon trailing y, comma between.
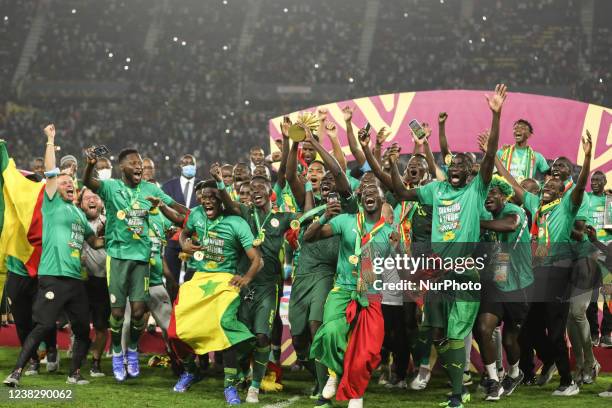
x: 283, y: 404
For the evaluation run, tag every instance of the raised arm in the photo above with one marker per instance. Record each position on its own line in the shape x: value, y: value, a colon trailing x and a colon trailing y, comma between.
x: 444, y: 149
x: 297, y: 188
x: 350, y: 135
x: 374, y: 164
x: 319, y: 229
x: 578, y: 191
x: 332, y: 133
x: 89, y: 180
x: 381, y: 137
x: 282, y: 168
x: 230, y: 205
x: 496, y: 101
x: 400, y: 191
x: 342, y: 185
x: 51, y: 186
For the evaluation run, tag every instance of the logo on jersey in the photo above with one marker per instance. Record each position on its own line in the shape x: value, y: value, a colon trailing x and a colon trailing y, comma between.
x: 274, y: 222
x: 50, y: 295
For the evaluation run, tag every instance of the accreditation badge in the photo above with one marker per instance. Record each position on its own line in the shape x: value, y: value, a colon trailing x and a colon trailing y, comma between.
x: 502, y: 265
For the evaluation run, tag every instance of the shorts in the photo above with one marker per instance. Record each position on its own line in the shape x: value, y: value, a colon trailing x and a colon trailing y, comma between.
x: 99, y: 303
x: 127, y: 278
x: 308, y: 295
x: 257, y: 309
x: 160, y: 306
x: 443, y: 311
x: 511, y: 308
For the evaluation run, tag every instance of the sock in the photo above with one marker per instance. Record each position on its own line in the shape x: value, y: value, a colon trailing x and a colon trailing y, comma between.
x: 422, y: 347
x: 260, y: 362
x: 276, y: 354
x: 492, y: 371
x: 229, y: 377
x: 136, y: 327
x: 452, y: 356
x: 468, y: 349
x: 189, y: 364
x: 116, y: 328
x: 322, y: 375
x: 513, y: 370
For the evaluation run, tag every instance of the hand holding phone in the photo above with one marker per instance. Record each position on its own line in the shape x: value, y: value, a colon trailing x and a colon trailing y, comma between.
x: 417, y: 129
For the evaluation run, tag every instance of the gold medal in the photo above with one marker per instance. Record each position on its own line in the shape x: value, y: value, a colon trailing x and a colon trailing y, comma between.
x: 198, y: 255
x: 211, y: 265
x: 353, y: 259
x: 256, y: 242
x: 121, y: 215
x: 136, y: 206
x: 295, y: 224
x: 135, y: 236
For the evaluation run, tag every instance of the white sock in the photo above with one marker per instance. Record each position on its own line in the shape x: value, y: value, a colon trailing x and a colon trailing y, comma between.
x: 492, y: 372
x: 513, y: 371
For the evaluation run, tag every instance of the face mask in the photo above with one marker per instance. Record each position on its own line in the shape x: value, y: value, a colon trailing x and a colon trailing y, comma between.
x: 104, y: 174
x: 189, y: 171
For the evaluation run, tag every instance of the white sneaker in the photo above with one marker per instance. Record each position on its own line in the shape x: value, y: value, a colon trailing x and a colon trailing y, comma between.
x: 252, y: 395
x: 53, y: 366
x: 356, y: 403
x: 329, y: 391
x: 400, y: 384
x: 567, y: 390
x: 606, y: 394
x: 421, y: 380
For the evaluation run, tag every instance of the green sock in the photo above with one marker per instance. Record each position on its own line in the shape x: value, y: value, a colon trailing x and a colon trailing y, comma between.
x: 452, y: 356
x: 422, y: 347
x: 322, y: 376
x: 189, y: 364
x: 260, y: 362
x: 136, y: 327
x: 116, y: 327
x: 230, y: 376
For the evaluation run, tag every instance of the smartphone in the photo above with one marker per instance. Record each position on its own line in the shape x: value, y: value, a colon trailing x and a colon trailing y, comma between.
x: 367, y: 128
x: 416, y: 128
x: 99, y: 151
x: 332, y: 197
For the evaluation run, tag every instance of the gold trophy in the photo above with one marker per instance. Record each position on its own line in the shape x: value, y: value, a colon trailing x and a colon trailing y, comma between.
x: 308, y: 119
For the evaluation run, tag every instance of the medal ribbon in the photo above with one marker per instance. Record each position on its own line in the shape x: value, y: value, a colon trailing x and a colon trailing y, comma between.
x: 362, y: 239
x: 133, y: 197
x: 261, y: 234
x: 405, y: 225
x: 541, y: 218
x: 569, y: 185
x: 213, y: 225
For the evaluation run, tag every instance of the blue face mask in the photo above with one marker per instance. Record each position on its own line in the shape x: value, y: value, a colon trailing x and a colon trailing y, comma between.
x: 189, y: 171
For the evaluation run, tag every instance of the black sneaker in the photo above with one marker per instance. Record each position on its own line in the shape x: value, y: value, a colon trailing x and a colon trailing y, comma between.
x: 529, y: 380
x: 548, y: 370
x: 509, y: 384
x: 77, y: 378
x: 13, y: 379
x: 494, y: 390
x: 96, y: 370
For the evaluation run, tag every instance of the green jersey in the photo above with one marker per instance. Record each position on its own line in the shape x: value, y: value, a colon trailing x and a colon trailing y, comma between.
x: 522, y: 162
x: 127, y: 213
x: 223, y: 240
x: 65, y: 227
x: 15, y: 266
x: 345, y: 226
x: 285, y: 199
x: 159, y: 224
x: 456, y: 216
x: 512, y: 265
x: 596, y: 209
x: 273, y: 226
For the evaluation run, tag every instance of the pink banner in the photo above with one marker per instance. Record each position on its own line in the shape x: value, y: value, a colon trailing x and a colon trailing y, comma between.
x: 558, y: 123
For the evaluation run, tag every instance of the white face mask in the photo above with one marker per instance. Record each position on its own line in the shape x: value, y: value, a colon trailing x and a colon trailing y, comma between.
x: 105, y: 174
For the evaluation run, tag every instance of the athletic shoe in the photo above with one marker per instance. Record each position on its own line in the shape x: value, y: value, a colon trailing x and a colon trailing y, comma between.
x: 231, y: 395
x: 13, y: 379
x: 252, y: 395
x: 528, y: 381
x: 355, y: 403
x: 465, y: 395
x: 548, y: 370
x: 133, y: 369
x: 421, y: 380
x: 323, y: 403
x: 590, y: 377
x: 95, y: 370
x: 401, y: 384
x: 384, y: 376
x: 454, y: 402
x: 184, y: 382
x: 32, y: 368
x: 566, y: 390
x: 606, y: 341
x: 607, y: 393
x: 77, y: 379
x: 494, y: 391
x: 119, y: 368
x: 509, y: 384
x: 53, y: 361
x: 467, y: 379
x: 330, y: 387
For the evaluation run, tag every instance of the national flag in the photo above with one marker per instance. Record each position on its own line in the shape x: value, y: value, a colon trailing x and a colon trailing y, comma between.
x: 205, y: 315
x: 20, y: 215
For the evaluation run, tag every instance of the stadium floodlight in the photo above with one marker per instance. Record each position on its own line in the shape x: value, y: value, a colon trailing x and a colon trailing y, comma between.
x: 73, y: 11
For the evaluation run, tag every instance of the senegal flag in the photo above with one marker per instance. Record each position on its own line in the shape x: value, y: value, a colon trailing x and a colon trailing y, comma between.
x: 205, y: 314
x: 20, y: 215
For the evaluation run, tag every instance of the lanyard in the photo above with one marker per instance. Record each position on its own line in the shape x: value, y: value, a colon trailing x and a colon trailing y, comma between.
x: 213, y: 224
x: 133, y: 196
x: 261, y: 232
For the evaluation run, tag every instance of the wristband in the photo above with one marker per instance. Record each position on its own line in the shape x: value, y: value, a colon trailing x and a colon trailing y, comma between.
x: 322, y: 219
x: 220, y: 185
x: 308, y: 186
x: 366, y: 167
x: 52, y: 173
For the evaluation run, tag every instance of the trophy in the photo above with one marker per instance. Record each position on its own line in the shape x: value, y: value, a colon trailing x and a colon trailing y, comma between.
x: 308, y: 119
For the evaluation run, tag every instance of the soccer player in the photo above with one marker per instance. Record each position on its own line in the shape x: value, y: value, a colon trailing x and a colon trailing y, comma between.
x: 520, y: 159
x: 364, y: 237
x: 60, y: 286
x: 505, y: 293
x: 128, y: 246
x: 454, y: 232
x: 259, y: 303
x: 221, y: 238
